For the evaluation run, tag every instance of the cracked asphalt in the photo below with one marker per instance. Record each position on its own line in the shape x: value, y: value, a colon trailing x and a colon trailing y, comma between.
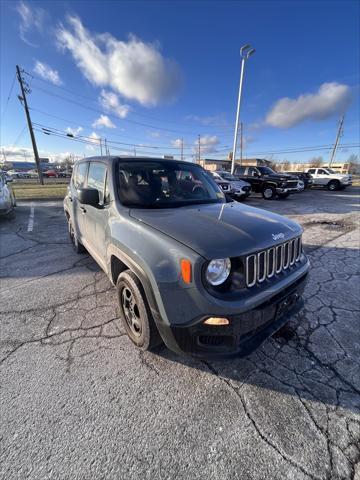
x: 78, y: 401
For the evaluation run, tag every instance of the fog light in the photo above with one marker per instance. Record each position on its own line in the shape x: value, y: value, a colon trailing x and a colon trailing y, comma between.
x: 216, y: 321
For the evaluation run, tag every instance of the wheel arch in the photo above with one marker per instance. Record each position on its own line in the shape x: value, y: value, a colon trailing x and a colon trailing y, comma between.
x: 119, y: 262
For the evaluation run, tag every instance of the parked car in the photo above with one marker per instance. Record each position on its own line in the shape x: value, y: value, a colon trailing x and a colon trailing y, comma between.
x: 63, y: 174
x: 7, y: 197
x: 223, y: 184
x: 32, y: 174
x: 304, y: 176
x: 207, y: 277
x: 266, y: 181
x: 239, y: 188
x: 326, y: 177
x: 50, y: 173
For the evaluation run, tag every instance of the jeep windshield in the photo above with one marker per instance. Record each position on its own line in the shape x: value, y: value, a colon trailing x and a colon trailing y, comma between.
x: 165, y: 184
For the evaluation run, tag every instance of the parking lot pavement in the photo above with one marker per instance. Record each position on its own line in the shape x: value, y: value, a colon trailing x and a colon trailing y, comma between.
x: 78, y: 401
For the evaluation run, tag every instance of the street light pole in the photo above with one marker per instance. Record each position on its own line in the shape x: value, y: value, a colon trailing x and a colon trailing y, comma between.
x: 245, y: 53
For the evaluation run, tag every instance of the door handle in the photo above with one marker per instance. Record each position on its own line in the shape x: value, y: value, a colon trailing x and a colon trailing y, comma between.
x: 83, y: 209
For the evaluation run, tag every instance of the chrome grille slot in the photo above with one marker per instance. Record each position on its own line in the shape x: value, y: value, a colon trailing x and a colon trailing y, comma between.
x: 294, y: 244
x: 271, y: 262
x: 286, y: 257
x: 267, y: 263
x: 251, y: 265
x: 279, y: 258
x: 261, y: 266
x: 299, y: 249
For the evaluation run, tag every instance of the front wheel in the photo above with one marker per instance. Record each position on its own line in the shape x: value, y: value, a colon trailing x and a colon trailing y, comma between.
x: 333, y: 185
x: 283, y: 195
x: 78, y: 246
x: 268, y: 192
x: 135, y: 312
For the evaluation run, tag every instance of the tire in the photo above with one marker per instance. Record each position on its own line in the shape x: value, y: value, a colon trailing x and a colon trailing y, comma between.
x: 283, y: 195
x: 135, y: 312
x: 268, y: 192
x: 333, y: 185
x: 78, y: 246
x: 11, y: 214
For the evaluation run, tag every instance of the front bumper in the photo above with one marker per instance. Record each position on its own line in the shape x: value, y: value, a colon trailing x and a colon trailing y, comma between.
x: 287, y: 190
x: 246, y: 331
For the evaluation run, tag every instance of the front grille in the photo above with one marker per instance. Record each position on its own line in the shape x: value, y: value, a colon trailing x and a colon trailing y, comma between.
x: 267, y: 263
x: 291, y: 184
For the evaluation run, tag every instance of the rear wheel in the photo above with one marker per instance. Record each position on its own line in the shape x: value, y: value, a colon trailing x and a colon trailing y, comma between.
x: 333, y: 185
x: 135, y: 312
x: 268, y: 192
x: 78, y: 246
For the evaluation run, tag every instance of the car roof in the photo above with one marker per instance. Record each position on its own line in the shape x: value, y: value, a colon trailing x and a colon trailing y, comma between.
x: 112, y: 158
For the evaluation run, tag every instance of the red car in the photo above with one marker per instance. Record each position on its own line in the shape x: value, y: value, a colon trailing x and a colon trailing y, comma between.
x: 50, y: 173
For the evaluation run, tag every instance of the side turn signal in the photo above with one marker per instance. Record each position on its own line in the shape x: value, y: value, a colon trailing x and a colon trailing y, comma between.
x: 186, y: 270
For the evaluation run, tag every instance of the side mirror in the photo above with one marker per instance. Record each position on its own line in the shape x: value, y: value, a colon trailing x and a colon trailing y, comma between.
x: 88, y: 196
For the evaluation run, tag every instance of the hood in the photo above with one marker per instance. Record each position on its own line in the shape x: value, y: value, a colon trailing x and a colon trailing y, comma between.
x: 283, y: 177
x: 239, y: 183
x: 220, y: 230
x: 339, y: 176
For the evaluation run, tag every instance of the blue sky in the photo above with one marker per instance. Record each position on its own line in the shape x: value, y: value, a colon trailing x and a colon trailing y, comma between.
x: 152, y: 73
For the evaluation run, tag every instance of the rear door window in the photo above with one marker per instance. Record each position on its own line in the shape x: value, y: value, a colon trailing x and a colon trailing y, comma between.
x: 240, y: 170
x: 96, y: 178
x: 312, y: 170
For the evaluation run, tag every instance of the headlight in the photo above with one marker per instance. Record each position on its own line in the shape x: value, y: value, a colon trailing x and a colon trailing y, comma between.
x: 218, y: 271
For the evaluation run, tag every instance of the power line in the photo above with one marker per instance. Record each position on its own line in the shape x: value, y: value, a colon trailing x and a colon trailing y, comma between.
x: 133, y: 113
x: 127, y: 120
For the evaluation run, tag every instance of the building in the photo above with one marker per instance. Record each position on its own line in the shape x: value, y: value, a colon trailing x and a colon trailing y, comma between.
x: 225, y: 164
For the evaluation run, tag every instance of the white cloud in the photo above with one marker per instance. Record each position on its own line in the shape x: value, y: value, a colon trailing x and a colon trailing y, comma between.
x: 331, y: 98
x: 47, y: 73
x: 177, y: 142
x: 218, y: 120
x: 103, y: 121
x: 111, y: 103
x: 95, y: 139
x: 30, y: 19
x: 74, y: 131
x: 207, y: 144
x: 135, y: 69
x: 155, y: 134
x: 22, y: 154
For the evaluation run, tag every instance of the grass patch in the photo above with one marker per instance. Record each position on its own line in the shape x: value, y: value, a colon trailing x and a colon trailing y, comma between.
x: 31, y: 191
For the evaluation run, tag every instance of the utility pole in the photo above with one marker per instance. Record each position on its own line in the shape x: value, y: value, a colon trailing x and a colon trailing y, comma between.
x: 24, y: 90
x: 245, y: 53
x: 182, y: 149
x: 101, y: 147
x: 134, y: 151
x: 338, y: 135
x: 106, y: 147
x: 199, y: 151
x: 241, y: 142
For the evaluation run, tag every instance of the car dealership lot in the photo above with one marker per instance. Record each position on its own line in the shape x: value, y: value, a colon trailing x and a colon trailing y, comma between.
x: 79, y: 401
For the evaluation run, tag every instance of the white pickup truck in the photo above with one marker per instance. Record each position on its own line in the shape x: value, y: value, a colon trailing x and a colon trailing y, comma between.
x: 326, y: 177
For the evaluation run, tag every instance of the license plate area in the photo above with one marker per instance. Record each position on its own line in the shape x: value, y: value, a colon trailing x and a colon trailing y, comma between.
x: 286, y: 304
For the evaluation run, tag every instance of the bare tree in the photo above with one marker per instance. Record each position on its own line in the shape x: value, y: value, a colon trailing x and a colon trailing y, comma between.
x: 316, y: 162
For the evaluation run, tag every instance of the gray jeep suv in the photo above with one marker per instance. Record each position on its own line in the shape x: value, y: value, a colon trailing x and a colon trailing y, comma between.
x: 207, y: 276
